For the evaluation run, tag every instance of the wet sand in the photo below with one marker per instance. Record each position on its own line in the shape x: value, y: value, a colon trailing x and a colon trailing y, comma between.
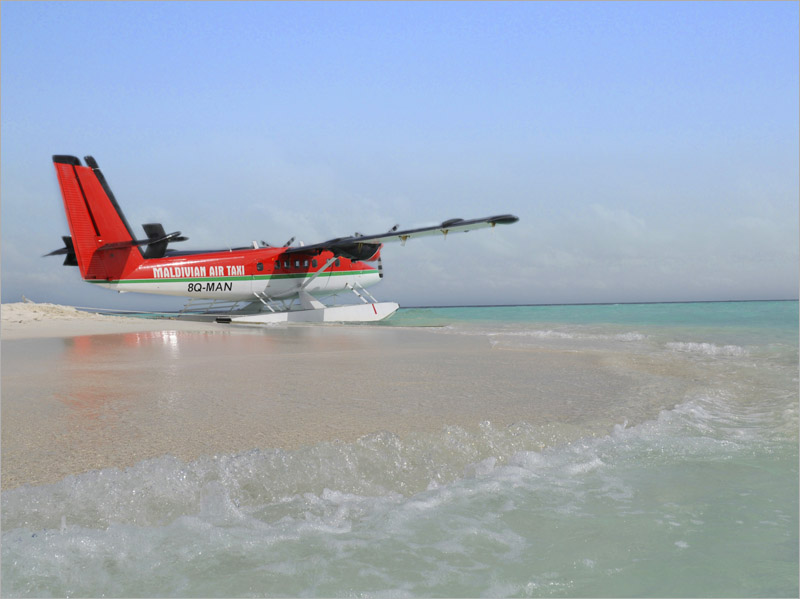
x: 77, y: 402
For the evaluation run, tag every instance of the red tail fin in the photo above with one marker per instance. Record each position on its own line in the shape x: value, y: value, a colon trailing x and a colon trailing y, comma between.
x: 95, y: 221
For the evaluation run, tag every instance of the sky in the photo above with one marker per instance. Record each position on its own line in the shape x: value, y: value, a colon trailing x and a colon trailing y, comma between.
x: 650, y: 149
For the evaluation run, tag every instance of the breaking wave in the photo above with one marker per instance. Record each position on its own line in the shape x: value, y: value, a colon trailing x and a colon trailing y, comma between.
x: 551, y: 334
x: 708, y: 349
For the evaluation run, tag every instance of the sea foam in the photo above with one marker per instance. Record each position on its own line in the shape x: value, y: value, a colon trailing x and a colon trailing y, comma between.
x: 708, y: 349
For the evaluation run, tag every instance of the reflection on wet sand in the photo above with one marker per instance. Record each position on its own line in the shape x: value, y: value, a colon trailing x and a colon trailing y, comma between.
x: 94, y: 401
x: 76, y: 403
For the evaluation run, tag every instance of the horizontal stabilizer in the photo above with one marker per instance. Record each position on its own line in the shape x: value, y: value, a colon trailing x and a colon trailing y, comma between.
x: 171, y: 237
x: 69, y: 250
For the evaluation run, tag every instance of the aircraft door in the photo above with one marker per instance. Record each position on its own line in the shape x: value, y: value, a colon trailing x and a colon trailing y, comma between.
x: 258, y: 281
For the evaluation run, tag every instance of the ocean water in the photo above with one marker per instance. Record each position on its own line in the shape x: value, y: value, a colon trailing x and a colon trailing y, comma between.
x: 700, y: 500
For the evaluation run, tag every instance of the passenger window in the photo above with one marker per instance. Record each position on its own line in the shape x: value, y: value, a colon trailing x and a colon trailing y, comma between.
x: 337, y: 262
x: 286, y: 264
x: 277, y: 264
x: 297, y: 263
x: 259, y: 267
x: 314, y: 263
x: 305, y: 263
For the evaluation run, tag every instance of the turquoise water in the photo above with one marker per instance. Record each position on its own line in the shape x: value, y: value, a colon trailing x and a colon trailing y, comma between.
x: 759, y: 318
x: 701, y: 500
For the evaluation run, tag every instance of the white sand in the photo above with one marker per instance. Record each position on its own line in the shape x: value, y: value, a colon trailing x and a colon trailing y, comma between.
x: 27, y: 320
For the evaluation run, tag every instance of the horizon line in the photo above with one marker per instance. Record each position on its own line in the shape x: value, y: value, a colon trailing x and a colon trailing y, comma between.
x: 731, y: 301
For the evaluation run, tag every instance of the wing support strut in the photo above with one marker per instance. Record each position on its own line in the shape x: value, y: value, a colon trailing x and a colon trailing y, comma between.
x: 325, y: 267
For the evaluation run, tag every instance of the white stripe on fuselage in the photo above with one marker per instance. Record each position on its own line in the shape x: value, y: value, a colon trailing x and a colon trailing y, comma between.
x: 245, y: 288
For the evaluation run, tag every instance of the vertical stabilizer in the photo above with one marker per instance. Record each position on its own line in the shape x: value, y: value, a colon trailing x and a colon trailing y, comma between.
x: 95, y: 221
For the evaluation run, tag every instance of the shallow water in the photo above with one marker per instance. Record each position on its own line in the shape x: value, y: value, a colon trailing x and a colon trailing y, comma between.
x: 697, y: 499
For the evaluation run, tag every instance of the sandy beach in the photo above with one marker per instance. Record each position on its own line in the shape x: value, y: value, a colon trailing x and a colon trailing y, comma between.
x: 29, y: 320
x: 84, y: 391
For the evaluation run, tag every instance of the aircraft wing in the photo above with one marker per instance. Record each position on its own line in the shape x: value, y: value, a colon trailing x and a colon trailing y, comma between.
x: 364, y: 247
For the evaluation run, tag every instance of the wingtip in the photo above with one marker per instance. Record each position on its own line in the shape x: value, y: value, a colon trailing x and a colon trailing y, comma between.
x: 504, y: 219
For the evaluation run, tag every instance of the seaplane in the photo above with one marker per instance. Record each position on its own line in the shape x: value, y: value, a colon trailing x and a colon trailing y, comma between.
x: 254, y: 284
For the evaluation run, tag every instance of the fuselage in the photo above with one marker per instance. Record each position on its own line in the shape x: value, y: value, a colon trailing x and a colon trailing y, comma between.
x: 244, y: 275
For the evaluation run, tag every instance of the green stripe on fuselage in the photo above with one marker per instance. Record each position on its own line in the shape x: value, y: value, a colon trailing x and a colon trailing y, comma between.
x: 299, y: 275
